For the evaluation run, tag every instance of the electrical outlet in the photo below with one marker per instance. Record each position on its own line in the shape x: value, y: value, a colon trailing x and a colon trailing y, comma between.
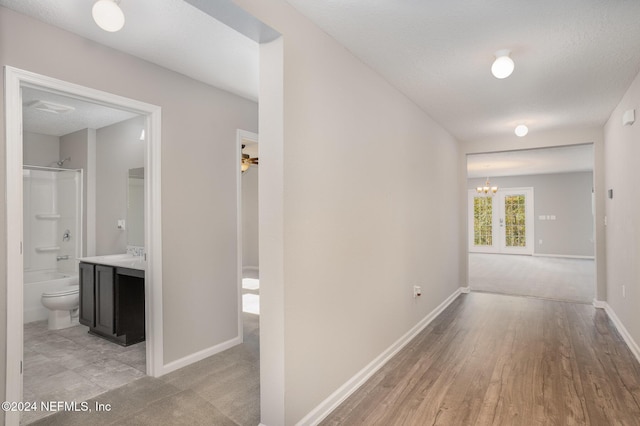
x: 624, y: 292
x: 417, y: 291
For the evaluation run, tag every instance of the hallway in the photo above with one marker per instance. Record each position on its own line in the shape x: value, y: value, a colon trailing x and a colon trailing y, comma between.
x: 493, y: 359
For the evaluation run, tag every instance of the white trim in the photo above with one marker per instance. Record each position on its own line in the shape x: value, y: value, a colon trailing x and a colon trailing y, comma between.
x: 321, y: 411
x: 241, y: 136
x: 14, y: 80
x: 13, y: 226
x: 633, y: 346
x: 200, y: 355
x: 599, y: 304
x: 251, y: 268
x: 465, y: 290
x: 567, y: 256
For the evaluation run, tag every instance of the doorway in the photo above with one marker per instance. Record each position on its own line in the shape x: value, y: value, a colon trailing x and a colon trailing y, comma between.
x: 542, y: 246
x: 248, y: 232
x: 16, y: 81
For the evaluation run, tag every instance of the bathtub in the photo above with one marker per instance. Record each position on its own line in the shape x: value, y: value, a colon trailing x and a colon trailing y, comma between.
x: 38, y: 282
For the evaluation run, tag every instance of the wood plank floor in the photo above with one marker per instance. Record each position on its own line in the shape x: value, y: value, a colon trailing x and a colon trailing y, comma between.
x: 493, y: 359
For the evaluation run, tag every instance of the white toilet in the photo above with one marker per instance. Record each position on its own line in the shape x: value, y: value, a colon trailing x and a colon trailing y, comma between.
x: 63, y: 306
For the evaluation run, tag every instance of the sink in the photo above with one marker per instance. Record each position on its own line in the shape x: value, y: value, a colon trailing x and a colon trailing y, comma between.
x: 112, y: 257
x: 135, y: 263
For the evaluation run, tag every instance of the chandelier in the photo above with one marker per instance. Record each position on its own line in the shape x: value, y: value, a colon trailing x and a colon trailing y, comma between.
x: 487, y: 188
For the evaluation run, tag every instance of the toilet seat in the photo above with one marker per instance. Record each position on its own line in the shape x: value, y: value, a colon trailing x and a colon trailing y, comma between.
x: 64, y: 291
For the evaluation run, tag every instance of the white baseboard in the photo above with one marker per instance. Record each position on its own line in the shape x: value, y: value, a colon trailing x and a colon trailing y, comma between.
x: 318, y: 414
x: 465, y: 290
x: 566, y: 256
x: 599, y: 304
x: 633, y: 346
x: 200, y: 355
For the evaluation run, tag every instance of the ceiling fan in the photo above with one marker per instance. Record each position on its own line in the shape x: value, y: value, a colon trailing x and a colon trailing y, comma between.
x: 247, y: 161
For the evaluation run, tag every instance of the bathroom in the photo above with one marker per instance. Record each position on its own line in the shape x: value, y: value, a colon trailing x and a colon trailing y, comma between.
x: 83, y: 196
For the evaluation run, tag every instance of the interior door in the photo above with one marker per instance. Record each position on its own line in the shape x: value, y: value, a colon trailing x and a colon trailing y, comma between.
x: 502, y: 222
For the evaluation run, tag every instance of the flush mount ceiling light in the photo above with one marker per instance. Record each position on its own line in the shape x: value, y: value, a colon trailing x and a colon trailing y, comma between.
x: 521, y: 130
x: 108, y: 15
x: 503, y: 65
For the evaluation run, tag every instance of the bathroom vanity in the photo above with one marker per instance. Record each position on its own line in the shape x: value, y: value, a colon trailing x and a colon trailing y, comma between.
x: 112, y: 297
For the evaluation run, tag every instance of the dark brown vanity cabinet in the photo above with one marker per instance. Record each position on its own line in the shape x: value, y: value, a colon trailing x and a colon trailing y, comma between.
x: 87, y: 295
x: 112, y: 302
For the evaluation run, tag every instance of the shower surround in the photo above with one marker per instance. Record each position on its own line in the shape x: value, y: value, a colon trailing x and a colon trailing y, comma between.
x: 52, y: 218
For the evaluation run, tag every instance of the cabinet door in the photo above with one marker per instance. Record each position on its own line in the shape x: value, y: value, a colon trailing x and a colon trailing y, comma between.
x: 105, y: 286
x: 87, y: 295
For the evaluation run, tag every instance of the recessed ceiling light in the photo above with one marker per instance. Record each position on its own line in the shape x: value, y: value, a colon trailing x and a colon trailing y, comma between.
x: 521, y: 130
x: 503, y: 65
x: 108, y: 15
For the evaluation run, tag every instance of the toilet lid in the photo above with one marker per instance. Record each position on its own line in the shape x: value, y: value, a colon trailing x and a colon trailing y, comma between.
x: 64, y: 291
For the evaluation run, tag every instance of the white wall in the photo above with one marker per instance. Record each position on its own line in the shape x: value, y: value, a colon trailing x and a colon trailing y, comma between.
x: 370, y: 206
x: 622, y: 151
x: 118, y: 149
x: 199, y: 124
x: 40, y: 150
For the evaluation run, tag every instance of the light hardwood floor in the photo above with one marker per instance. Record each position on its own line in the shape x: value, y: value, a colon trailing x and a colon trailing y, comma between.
x: 493, y: 359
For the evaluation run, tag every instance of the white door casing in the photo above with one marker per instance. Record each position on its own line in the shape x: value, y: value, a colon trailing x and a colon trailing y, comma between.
x: 14, y: 80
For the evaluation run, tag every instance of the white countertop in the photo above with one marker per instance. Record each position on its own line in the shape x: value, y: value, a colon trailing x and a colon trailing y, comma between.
x: 121, y: 260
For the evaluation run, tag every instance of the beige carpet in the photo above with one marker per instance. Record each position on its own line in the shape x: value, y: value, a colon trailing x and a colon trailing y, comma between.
x: 546, y: 277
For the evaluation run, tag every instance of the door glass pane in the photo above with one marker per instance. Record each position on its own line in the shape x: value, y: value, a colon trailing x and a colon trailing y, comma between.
x: 482, y: 221
x: 514, y: 218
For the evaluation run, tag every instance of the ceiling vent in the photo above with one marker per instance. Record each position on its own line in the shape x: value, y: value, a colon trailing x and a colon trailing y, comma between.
x: 51, y: 107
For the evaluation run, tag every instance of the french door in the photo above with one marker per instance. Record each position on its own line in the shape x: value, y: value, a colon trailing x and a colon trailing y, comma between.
x: 501, y: 223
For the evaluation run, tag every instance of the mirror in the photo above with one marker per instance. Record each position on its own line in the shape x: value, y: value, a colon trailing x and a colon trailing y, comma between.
x: 135, y: 208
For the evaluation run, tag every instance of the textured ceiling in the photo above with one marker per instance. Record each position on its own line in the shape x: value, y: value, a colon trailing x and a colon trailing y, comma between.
x: 171, y: 33
x: 85, y: 115
x: 574, y: 59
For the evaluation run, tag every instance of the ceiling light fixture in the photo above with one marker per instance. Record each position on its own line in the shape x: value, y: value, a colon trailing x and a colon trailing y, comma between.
x: 521, y: 130
x: 247, y: 161
x: 503, y: 65
x: 108, y: 15
x: 487, y: 188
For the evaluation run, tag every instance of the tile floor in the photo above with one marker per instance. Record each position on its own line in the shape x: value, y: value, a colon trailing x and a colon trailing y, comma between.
x: 72, y: 365
x: 223, y: 389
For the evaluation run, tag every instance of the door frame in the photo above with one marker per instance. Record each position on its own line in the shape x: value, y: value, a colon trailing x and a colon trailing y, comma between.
x: 14, y: 80
x: 498, y: 231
